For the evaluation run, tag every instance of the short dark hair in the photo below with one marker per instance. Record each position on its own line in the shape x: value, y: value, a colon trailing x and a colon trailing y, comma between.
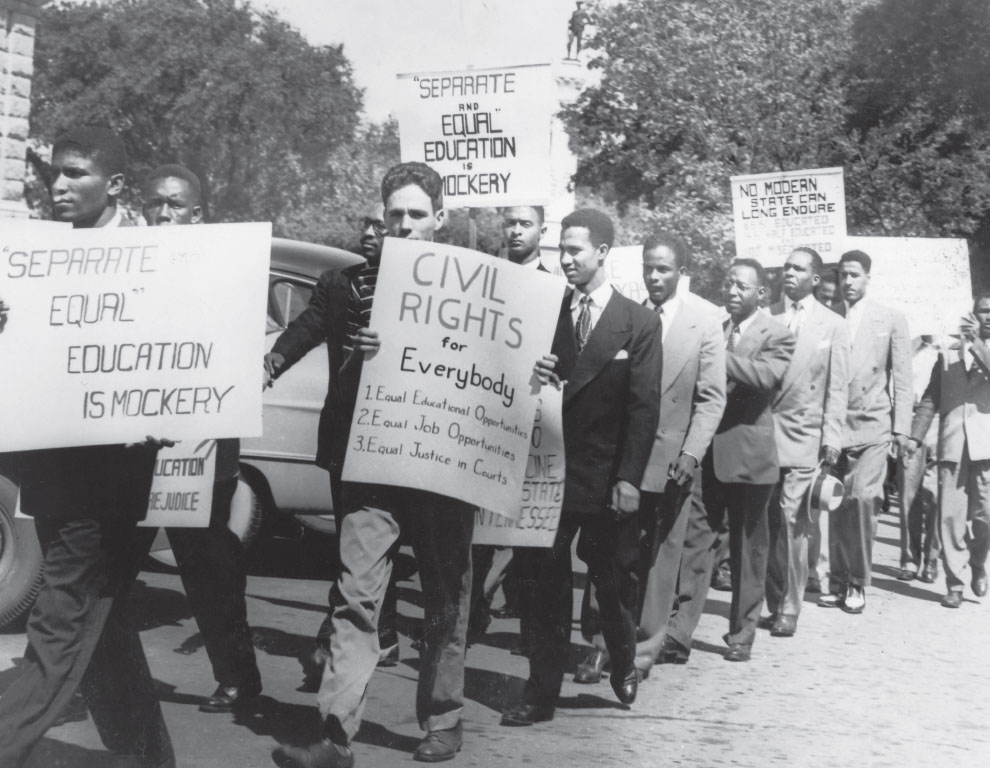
x: 817, y: 265
x: 96, y: 142
x: 859, y: 257
x: 682, y: 253
x: 538, y: 208
x: 830, y: 276
x: 761, y: 273
x: 980, y: 297
x: 420, y: 174
x: 175, y: 171
x: 600, y: 228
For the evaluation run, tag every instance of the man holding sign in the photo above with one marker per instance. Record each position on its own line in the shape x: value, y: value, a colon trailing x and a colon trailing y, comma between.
x: 86, y: 503
x: 607, y: 353
x: 439, y: 529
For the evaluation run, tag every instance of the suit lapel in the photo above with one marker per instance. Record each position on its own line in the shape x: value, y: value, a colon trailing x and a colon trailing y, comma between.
x: 676, y: 346
x: 752, y: 339
x: 608, y: 337
x: 862, y: 346
x: 812, y: 332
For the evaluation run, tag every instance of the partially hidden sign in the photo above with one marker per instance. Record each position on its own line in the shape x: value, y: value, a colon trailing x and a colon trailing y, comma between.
x: 485, y: 131
x: 182, y: 488
x: 448, y: 401
x: 116, y: 334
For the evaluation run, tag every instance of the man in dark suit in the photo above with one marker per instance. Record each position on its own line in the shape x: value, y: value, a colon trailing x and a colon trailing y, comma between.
x: 86, y: 503
x: 608, y: 352
x: 738, y: 472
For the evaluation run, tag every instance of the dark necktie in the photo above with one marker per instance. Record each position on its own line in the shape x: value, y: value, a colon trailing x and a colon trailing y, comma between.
x: 362, y: 296
x: 733, y: 333
x: 583, y: 328
x: 796, y: 318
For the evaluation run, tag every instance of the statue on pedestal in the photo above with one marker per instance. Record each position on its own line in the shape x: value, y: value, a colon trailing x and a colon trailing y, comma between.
x: 575, y: 29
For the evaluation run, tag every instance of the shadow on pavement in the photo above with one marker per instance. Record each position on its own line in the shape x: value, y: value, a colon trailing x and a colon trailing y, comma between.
x: 699, y: 645
x: 902, y: 587
x: 50, y: 753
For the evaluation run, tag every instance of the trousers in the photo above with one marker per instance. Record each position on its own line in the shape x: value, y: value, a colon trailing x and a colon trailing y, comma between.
x: 964, y: 503
x: 853, y: 524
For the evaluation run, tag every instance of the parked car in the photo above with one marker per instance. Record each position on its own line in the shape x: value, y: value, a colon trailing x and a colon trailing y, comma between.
x: 280, y: 490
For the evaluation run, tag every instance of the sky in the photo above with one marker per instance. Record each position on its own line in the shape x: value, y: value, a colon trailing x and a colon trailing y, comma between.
x: 383, y: 38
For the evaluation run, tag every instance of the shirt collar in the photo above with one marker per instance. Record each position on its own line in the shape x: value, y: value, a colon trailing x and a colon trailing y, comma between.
x: 599, y: 296
x: 744, y: 325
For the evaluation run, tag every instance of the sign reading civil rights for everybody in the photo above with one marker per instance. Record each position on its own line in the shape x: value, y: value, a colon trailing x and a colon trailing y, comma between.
x: 447, y: 403
x: 538, y: 516
x: 116, y: 334
x: 485, y: 131
x: 182, y: 489
x: 774, y: 213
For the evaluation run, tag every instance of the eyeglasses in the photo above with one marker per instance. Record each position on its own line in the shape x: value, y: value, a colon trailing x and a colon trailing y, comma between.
x: 376, y: 224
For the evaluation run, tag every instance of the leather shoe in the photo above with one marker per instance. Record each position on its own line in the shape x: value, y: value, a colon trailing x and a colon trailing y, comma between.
x: 979, y: 583
x: 722, y: 580
x: 227, y: 698
x: 930, y: 572
x: 672, y: 652
x: 590, y: 670
x: 784, y: 626
x: 952, y: 599
x: 322, y: 754
x: 527, y: 714
x: 831, y: 600
x: 855, y: 600
x: 625, y: 687
x: 388, y: 657
x: 737, y: 652
x: 906, y: 574
x: 814, y: 585
x: 440, y: 745
x: 767, y: 622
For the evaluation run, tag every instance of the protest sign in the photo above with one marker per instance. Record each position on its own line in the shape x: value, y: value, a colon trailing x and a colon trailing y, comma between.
x: 447, y: 403
x: 927, y: 279
x: 116, y: 334
x: 485, y: 131
x: 538, y: 516
x: 774, y: 213
x: 182, y: 488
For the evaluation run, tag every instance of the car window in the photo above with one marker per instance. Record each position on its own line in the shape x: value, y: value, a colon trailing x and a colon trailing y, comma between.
x: 286, y: 300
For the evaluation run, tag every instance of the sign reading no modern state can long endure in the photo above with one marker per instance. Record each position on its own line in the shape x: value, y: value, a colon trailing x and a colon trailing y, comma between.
x: 448, y: 401
x: 777, y: 212
x: 485, y: 131
x: 116, y: 334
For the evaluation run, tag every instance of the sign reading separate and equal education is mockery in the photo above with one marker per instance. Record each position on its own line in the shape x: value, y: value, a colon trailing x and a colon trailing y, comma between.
x: 447, y: 403
x: 116, y: 334
x: 543, y: 487
x: 485, y: 131
x: 774, y: 213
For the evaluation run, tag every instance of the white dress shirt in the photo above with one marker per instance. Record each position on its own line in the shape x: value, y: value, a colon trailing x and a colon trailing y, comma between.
x: 667, y: 311
x: 599, y: 298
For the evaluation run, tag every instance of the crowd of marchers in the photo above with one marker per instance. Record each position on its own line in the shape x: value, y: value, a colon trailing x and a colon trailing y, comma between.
x: 694, y: 436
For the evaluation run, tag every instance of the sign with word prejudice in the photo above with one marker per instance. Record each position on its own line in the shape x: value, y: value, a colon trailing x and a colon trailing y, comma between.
x: 182, y: 489
x: 485, y: 131
x: 774, y: 213
x: 116, y: 334
x: 447, y: 403
x: 538, y: 516
x: 926, y: 278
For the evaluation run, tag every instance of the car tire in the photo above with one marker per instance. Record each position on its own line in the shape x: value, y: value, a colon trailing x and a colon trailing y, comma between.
x: 325, y: 524
x: 21, y: 562
x: 246, y: 515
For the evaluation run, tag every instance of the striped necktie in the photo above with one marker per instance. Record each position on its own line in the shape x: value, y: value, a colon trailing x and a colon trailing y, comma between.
x: 359, y: 306
x: 583, y: 328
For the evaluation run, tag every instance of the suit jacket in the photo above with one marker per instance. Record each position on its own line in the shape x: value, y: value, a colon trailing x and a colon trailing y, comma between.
x: 692, y: 388
x: 881, y: 393
x: 961, y: 397
x: 325, y: 319
x: 610, y: 401
x: 744, y: 449
x: 809, y: 409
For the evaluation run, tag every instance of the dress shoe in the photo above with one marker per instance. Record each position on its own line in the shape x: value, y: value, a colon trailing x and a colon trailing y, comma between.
x: 227, y: 698
x: 388, y: 657
x: 831, y: 600
x: 906, y: 574
x: 440, y: 745
x: 737, y: 652
x: 855, y: 600
x: 722, y: 580
x: 814, y: 585
x: 952, y: 599
x: 672, y: 652
x: 930, y: 572
x: 506, y: 612
x: 784, y: 626
x: 767, y: 622
x: 322, y: 754
x: 527, y: 714
x: 590, y: 670
x: 979, y: 583
x: 625, y: 687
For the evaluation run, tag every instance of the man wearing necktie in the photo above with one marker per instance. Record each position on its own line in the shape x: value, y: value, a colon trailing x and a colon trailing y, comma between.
x: 607, y: 351
x: 739, y: 471
x: 878, y: 414
x: 808, y: 413
x: 959, y: 391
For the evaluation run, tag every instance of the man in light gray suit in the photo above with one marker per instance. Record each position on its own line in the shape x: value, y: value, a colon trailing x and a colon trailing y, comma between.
x: 809, y: 411
x: 959, y: 391
x: 878, y: 413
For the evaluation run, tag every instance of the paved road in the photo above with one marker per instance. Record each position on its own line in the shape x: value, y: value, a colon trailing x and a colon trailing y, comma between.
x: 905, y: 684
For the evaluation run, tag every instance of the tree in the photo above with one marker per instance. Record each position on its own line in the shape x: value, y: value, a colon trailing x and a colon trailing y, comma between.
x: 234, y: 93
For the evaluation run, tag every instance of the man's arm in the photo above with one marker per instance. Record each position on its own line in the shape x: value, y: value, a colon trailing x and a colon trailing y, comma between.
x: 642, y: 401
x: 305, y: 332
x: 837, y: 394
x: 766, y: 370
x: 927, y: 407
x: 903, y: 379
x: 708, y: 400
